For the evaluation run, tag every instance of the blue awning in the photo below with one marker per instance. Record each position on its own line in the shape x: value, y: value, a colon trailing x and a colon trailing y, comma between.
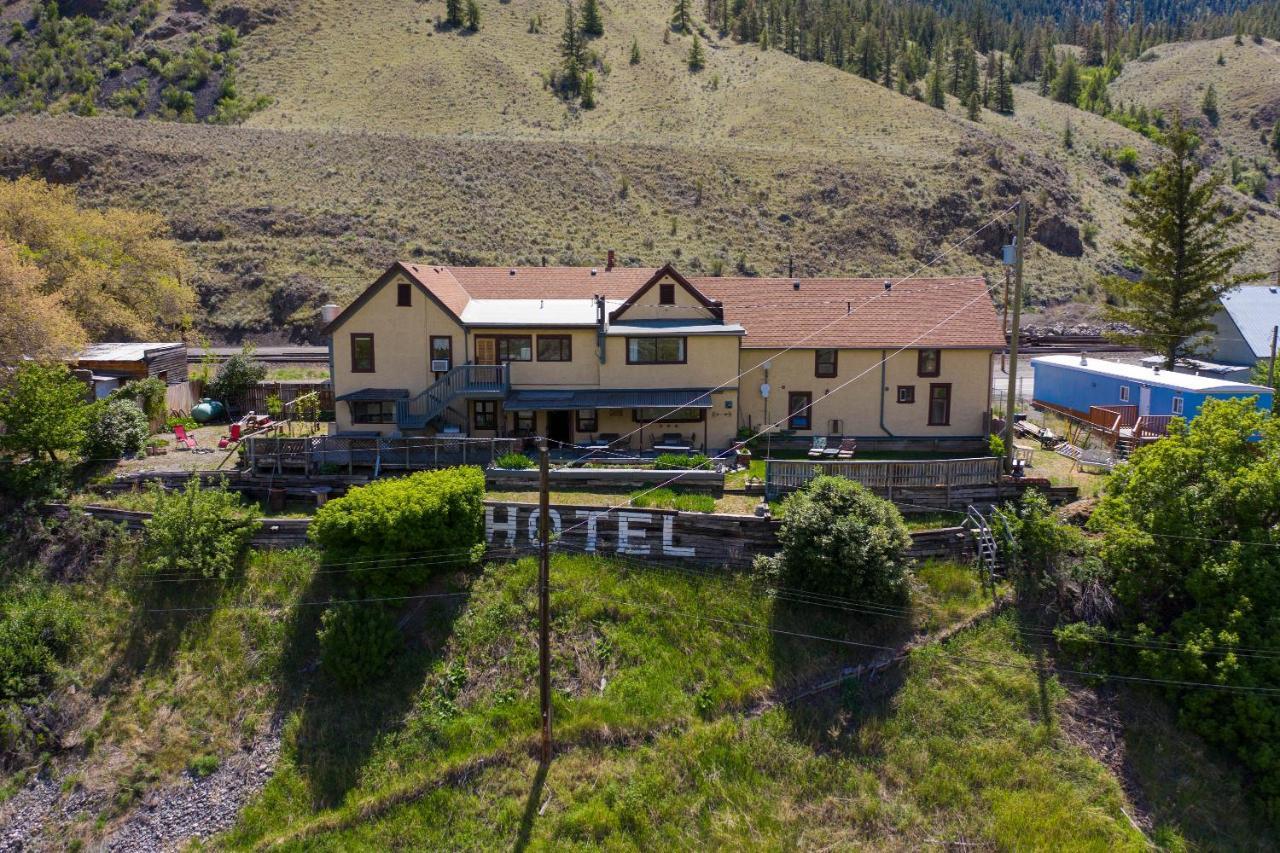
x: 373, y: 395
x: 604, y: 398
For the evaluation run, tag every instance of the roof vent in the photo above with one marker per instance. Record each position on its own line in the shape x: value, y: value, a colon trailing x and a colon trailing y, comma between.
x: 888, y: 285
x: 795, y: 285
x: 1084, y: 358
x: 593, y: 270
x: 1272, y: 289
x: 328, y: 312
x: 512, y: 271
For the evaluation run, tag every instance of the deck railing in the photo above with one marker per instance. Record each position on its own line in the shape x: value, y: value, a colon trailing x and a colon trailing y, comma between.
x: 783, y: 476
x: 465, y: 380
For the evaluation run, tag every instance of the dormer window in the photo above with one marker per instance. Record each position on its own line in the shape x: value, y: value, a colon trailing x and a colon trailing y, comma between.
x: 666, y: 294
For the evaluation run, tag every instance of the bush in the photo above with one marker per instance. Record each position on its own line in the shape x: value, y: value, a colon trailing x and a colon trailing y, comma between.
x: 1127, y: 160
x: 237, y: 375
x: 838, y: 538
x: 513, y: 462
x: 441, y: 512
x: 117, y: 428
x: 185, y: 421
x: 197, y: 532
x: 151, y: 395
x: 43, y: 410
x: 37, y: 631
x: 1034, y: 539
x: 680, y: 462
x: 357, y: 642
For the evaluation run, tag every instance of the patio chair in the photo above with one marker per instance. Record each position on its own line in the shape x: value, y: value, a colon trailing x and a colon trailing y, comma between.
x: 180, y: 433
x: 832, y: 450
x: 673, y: 442
x: 818, y: 447
x: 847, y: 448
x: 227, y: 440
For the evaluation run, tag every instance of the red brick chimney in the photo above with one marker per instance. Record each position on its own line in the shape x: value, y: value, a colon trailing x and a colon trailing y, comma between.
x: 608, y: 264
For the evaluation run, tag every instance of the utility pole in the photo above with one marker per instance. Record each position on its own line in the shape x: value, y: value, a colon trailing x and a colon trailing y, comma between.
x: 544, y: 597
x: 1004, y: 315
x: 1019, y: 250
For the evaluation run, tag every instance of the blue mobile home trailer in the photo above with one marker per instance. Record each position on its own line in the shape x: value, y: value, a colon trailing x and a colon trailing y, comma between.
x: 1073, y: 383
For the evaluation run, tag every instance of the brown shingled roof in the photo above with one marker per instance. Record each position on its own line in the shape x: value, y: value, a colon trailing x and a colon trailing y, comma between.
x: 775, y: 314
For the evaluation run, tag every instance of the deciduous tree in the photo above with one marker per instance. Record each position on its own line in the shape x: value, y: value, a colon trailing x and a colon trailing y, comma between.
x: 33, y: 322
x: 43, y: 410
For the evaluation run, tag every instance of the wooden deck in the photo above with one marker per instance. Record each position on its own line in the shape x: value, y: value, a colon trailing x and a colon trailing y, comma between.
x: 327, y: 453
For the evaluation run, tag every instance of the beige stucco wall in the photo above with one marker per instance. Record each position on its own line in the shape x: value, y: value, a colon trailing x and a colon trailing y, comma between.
x: 857, y: 404
x: 712, y: 359
x: 649, y: 307
x: 400, y: 348
x: 582, y: 371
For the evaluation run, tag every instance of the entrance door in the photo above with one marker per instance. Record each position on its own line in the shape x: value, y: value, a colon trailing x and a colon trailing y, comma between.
x: 560, y: 428
x: 1144, y: 400
x: 486, y: 351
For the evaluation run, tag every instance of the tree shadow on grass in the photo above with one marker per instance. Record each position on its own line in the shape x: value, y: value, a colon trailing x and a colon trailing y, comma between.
x: 337, y: 730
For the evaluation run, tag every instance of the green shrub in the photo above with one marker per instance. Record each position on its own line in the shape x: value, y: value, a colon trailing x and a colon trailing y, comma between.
x: 43, y: 410
x: 203, y: 765
x: 1127, y: 159
x: 37, y: 631
x: 436, y: 512
x: 236, y: 376
x: 680, y: 462
x: 151, y: 395
x: 1034, y: 539
x: 117, y: 428
x: 514, y: 461
x: 357, y: 642
x: 197, y: 532
x: 995, y: 445
x: 185, y: 421
x: 838, y: 538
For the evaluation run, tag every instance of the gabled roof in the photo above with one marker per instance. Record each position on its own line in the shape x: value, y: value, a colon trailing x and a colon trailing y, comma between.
x: 1255, y: 310
x: 668, y: 271
x: 858, y: 313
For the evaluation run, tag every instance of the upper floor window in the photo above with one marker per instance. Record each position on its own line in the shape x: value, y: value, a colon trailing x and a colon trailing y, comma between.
x: 666, y: 294
x: 1177, y: 406
x: 928, y: 362
x: 404, y: 294
x: 656, y: 351
x: 824, y: 363
x: 555, y: 348
x: 441, y: 352
x: 361, y: 352
x: 503, y: 348
x: 1124, y: 393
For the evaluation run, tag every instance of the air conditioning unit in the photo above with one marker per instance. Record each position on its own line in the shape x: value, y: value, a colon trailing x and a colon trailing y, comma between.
x: 439, y: 365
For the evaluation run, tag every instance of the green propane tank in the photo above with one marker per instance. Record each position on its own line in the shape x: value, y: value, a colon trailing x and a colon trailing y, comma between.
x: 207, y: 411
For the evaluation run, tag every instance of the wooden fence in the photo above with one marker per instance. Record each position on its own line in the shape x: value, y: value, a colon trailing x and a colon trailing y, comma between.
x: 783, y: 476
x: 255, y: 399
x: 334, y: 454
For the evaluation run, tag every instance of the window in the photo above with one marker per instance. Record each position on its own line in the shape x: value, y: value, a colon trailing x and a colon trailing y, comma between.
x: 361, y: 352
x: 655, y: 351
x: 555, y: 348
x: 442, y: 350
x: 906, y: 393
x: 1177, y: 405
x: 586, y: 420
x: 525, y: 423
x: 824, y: 363
x: 940, y: 404
x: 373, y: 412
x: 504, y: 348
x: 929, y: 362
x: 485, y: 414
x: 404, y: 294
x: 670, y: 416
x: 800, y: 410
x: 666, y: 294
x: 1124, y: 393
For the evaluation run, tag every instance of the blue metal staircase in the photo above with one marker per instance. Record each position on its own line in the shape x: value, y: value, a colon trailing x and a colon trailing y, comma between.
x: 466, y: 381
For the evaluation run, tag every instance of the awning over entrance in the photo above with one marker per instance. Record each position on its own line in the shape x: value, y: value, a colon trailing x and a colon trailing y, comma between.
x: 608, y: 398
x: 373, y: 395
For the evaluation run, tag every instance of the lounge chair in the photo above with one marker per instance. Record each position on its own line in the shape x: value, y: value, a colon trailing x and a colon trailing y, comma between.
x: 672, y: 442
x: 847, y: 448
x: 819, y: 447
x: 228, y: 440
x: 180, y: 433
x: 833, y: 447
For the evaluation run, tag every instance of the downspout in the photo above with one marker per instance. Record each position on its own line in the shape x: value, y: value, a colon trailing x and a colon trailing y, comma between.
x: 600, y: 327
x: 884, y: 371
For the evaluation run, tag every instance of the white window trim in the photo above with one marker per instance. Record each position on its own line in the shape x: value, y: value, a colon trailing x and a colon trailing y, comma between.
x: 1124, y: 393
x: 1177, y: 404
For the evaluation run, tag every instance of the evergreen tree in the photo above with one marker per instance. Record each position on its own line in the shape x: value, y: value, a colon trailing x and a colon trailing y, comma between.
x: 1209, y: 105
x: 592, y: 23
x: 453, y: 12
x: 572, y: 51
x: 886, y: 60
x: 680, y: 17
x: 1066, y: 86
x: 473, y: 16
x: 696, y: 58
x: 1110, y: 28
x: 975, y: 107
x: 1050, y: 74
x: 589, y: 90
x: 1093, y: 52
x: 866, y: 56
x: 1275, y: 138
x: 1004, y: 90
x: 1182, y: 248
x: 937, y: 93
x: 1068, y: 137
x: 635, y: 51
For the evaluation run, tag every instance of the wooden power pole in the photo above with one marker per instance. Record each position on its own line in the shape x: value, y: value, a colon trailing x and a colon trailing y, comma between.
x: 544, y: 597
x: 1019, y: 250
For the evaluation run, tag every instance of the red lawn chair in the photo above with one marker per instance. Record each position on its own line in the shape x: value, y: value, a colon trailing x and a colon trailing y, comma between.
x: 180, y: 432
x: 228, y: 440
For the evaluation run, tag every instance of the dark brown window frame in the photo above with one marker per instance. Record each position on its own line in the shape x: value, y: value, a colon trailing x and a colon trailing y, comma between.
x: 491, y: 415
x: 532, y: 418
x: 431, y: 348
x: 937, y: 363
x: 359, y: 412
x: 684, y: 348
x: 584, y: 425
x: 566, y: 340
x: 805, y: 411
x: 817, y: 363
x: 355, y: 367
x: 497, y: 346
x: 947, y: 420
x: 404, y: 295
x: 911, y: 394
x: 667, y: 293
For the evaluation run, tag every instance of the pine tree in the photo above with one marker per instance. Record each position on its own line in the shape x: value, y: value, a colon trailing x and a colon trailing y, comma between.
x: 592, y: 23
x: 1004, y: 90
x: 1049, y: 75
x: 635, y: 51
x: 1093, y: 53
x: 1066, y: 86
x: 680, y: 19
x: 1275, y: 138
x: 1110, y: 28
x: 866, y: 58
x: 696, y: 58
x: 453, y: 12
x: 975, y: 107
x: 1068, y: 137
x: 1182, y: 246
x: 589, y: 90
x: 1209, y: 105
x: 473, y: 16
x: 572, y: 51
x: 937, y: 92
